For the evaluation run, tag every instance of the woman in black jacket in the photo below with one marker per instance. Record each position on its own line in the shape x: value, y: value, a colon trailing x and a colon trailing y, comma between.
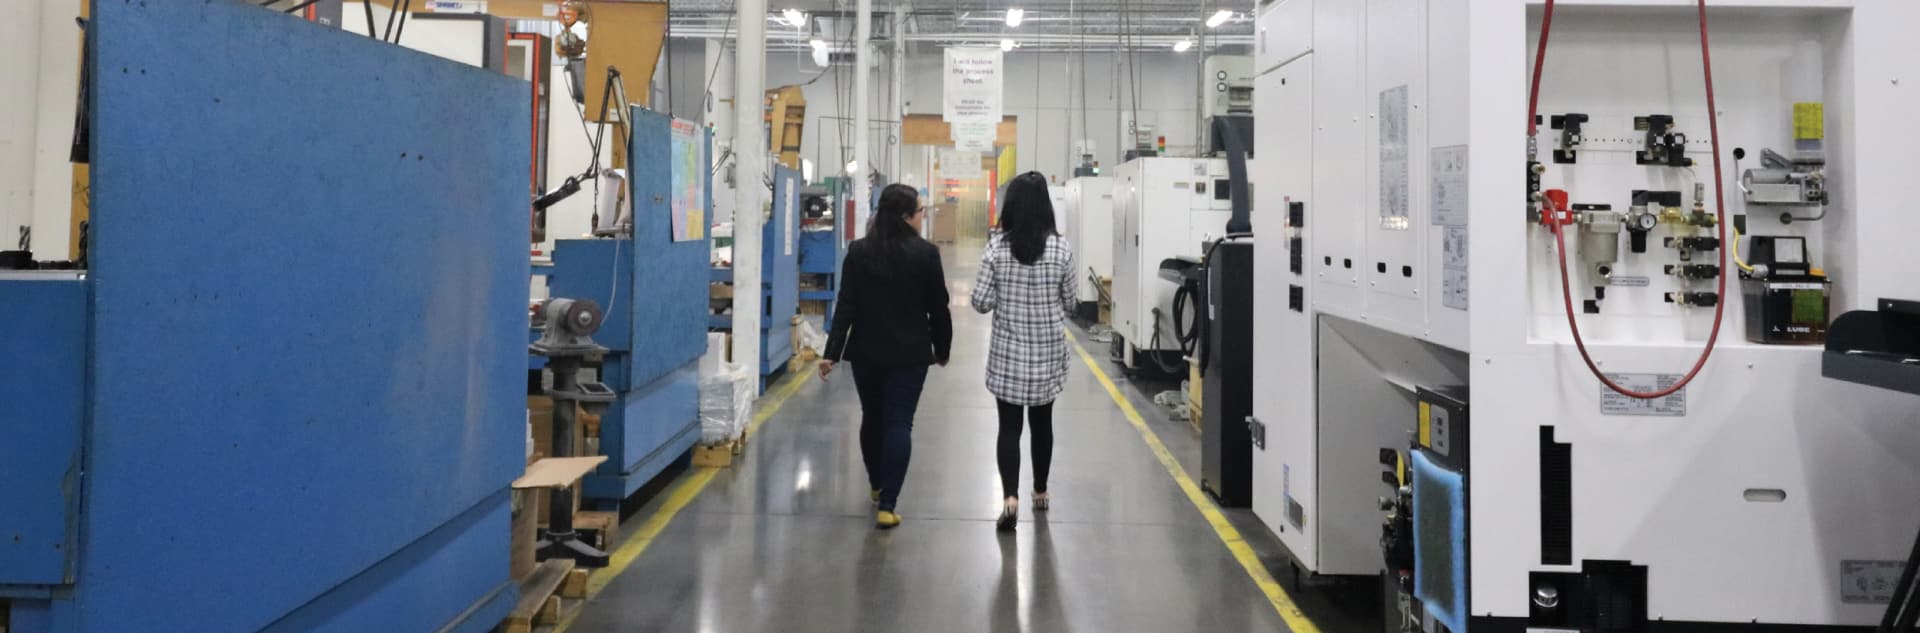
x: 891, y: 322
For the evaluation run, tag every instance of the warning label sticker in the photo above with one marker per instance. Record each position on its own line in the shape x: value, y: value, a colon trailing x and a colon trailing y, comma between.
x: 1868, y: 581
x: 1614, y: 403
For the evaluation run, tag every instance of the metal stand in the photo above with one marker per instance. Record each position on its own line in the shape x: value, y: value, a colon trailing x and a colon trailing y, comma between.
x: 566, y: 341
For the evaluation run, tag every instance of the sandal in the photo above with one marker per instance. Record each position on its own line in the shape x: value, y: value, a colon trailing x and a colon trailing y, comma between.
x: 1009, y: 515
x: 1041, y: 501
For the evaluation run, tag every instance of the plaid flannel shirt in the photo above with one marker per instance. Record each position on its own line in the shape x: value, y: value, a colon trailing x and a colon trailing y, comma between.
x: 1027, y: 360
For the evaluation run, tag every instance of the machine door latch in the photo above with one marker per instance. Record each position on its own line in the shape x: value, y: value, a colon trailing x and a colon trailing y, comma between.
x: 1258, y: 431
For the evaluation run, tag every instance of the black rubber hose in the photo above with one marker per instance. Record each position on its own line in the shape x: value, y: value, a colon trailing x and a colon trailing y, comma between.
x: 1242, y: 221
x: 1189, y: 333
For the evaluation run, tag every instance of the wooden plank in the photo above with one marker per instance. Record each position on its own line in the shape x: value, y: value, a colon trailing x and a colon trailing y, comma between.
x: 549, y: 613
x: 535, y: 591
x: 575, y: 588
x: 930, y: 129
x: 557, y: 472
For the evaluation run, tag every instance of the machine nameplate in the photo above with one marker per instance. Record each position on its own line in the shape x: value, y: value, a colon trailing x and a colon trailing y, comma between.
x: 1453, y: 287
x: 1868, y: 581
x: 1449, y: 167
x: 1612, y: 403
x: 1630, y: 281
x: 1394, y: 189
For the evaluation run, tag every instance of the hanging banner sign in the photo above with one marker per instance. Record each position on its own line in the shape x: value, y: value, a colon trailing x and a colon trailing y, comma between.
x: 973, y: 136
x: 960, y: 165
x: 973, y: 145
x: 973, y: 85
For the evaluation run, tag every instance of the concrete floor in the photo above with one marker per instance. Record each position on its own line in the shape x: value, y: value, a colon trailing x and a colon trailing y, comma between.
x: 784, y: 542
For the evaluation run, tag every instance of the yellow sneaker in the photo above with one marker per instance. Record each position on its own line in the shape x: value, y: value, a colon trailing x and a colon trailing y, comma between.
x: 886, y: 520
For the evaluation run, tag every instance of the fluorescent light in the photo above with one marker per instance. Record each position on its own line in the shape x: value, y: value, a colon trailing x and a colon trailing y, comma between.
x: 1014, y: 16
x: 853, y: 168
x: 1219, y: 18
x: 795, y: 17
x: 817, y: 44
x: 1006, y: 45
x: 1182, y: 46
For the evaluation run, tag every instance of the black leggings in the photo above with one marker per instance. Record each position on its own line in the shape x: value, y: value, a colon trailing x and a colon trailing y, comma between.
x: 1041, y: 418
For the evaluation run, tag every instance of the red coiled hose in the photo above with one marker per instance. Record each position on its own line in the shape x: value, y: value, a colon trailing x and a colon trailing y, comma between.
x: 1720, y: 213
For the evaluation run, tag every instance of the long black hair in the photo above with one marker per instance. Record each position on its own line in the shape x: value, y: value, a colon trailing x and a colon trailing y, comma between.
x: 1026, y: 219
x: 888, y: 233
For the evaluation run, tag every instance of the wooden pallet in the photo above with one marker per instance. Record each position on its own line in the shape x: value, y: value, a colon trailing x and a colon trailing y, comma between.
x: 604, y: 524
x: 717, y: 455
x: 720, y: 455
x: 539, y: 600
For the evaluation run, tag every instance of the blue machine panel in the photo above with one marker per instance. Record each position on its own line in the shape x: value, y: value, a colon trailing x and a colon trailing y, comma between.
x: 670, y: 281
x: 600, y: 269
x: 819, y: 252
x: 45, y: 352
x: 647, y: 430
x: 309, y: 309
x: 780, y: 270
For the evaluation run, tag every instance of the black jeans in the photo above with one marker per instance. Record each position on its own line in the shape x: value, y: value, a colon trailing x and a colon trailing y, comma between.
x: 1041, y: 419
x: 888, y: 397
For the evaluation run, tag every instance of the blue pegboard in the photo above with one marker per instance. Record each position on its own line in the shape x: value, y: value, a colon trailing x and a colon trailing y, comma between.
x: 309, y: 321
x: 44, y: 355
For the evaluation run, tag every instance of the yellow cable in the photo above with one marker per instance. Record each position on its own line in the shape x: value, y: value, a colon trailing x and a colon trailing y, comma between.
x: 1737, y: 259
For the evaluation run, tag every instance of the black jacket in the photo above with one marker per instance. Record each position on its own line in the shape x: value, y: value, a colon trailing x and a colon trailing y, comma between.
x: 898, y: 319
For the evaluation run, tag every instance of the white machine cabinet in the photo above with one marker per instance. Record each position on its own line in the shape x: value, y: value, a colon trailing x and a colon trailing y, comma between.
x: 1162, y: 208
x: 1089, y: 213
x: 1761, y: 493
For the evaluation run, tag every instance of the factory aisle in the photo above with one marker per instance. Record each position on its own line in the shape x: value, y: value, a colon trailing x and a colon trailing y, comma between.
x: 785, y: 542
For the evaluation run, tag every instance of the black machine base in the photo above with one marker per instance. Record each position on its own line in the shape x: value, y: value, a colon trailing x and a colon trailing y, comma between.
x: 569, y: 545
x: 1226, y: 369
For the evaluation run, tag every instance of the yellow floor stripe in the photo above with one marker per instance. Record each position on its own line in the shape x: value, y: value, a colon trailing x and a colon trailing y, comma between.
x: 683, y: 493
x: 1277, y: 596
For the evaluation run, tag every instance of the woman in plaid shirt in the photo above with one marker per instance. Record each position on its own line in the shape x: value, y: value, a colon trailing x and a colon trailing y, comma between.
x: 1026, y: 282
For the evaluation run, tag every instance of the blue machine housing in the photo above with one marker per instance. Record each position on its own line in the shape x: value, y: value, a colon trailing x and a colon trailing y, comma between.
x: 655, y: 327
x: 288, y: 394
x: 821, y: 255
x: 779, y: 276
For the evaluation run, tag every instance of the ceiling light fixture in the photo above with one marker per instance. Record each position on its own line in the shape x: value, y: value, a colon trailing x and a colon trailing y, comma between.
x: 1219, y: 18
x: 1007, y: 45
x: 1182, y: 46
x: 817, y: 44
x: 1015, y: 16
x: 795, y: 17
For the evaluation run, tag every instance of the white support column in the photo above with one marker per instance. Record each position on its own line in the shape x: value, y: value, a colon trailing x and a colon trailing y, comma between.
x: 749, y: 178
x: 719, y: 109
x: 896, y: 105
x: 862, y: 116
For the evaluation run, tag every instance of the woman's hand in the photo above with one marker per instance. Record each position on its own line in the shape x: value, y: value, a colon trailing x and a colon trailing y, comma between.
x: 826, y: 367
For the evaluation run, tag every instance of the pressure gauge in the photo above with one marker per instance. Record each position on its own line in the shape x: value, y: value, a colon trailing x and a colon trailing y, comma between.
x: 1639, y: 223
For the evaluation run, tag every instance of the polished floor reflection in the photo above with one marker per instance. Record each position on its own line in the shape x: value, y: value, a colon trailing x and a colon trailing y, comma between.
x: 784, y: 542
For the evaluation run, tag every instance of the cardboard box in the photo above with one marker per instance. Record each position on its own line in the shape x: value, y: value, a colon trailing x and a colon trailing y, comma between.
x: 946, y: 223
x: 525, y: 533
